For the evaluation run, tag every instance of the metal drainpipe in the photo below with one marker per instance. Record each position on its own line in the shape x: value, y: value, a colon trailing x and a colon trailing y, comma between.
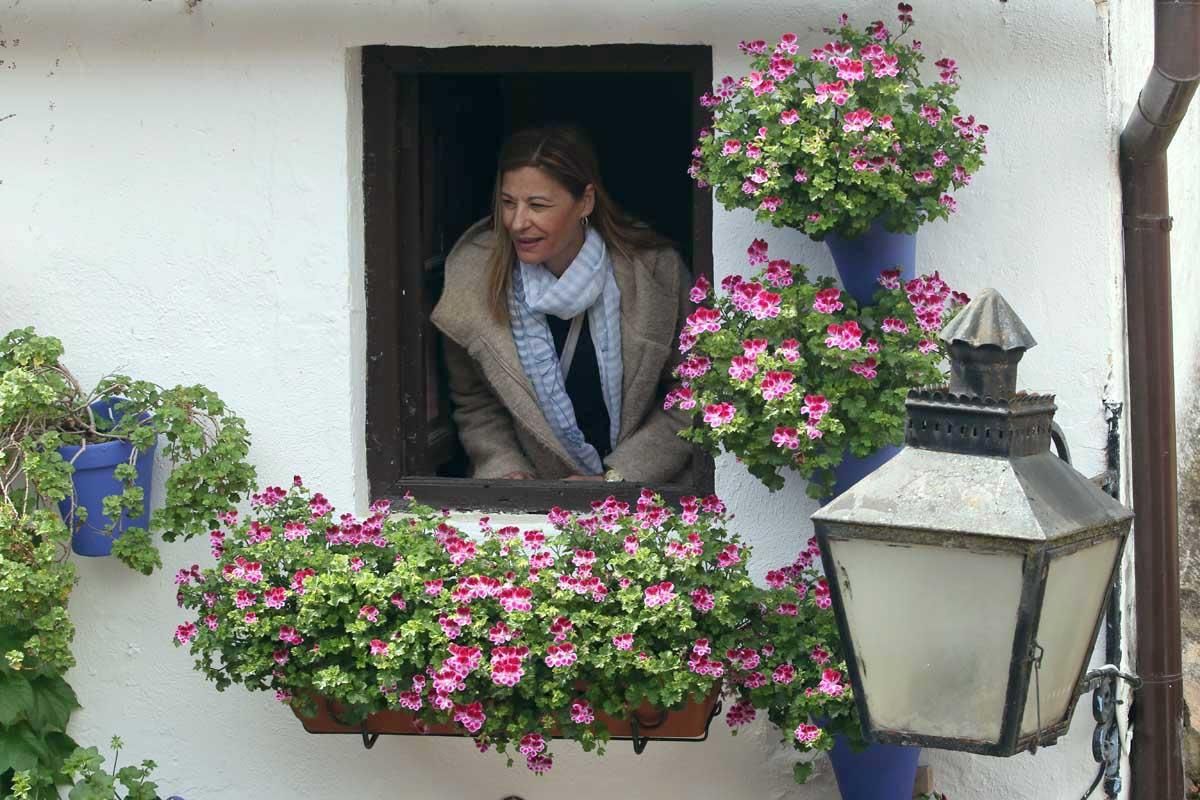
x: 1157, y: 757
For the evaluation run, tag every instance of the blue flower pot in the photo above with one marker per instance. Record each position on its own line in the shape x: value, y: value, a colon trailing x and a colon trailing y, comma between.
x: 881, y: 772
x: 860, y: 260
x: 93, y: 480
x: 853, y: 469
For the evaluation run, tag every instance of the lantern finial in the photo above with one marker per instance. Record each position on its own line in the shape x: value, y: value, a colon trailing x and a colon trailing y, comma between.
x: 987, y: 339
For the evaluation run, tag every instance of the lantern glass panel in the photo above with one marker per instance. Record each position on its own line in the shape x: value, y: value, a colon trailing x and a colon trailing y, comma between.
x: 1075, y: 587
x: 933, y: 633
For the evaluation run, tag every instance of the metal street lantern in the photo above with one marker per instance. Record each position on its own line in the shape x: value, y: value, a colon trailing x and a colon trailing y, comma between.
x: 969, y: 573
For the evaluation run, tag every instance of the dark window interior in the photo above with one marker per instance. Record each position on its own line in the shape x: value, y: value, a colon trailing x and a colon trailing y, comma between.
x: 434, y: 122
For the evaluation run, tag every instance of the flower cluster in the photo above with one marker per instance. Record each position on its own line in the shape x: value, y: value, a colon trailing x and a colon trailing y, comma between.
x: 511, y: 636
x: 785, y: 660
x: 831, y: 139
x: 552, y: 632
x: 817, y: 379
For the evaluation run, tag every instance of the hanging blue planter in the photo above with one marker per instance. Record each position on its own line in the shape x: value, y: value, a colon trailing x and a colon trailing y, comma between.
x: 881, y: 772
x: 93, y: 480
x: 860, y: 260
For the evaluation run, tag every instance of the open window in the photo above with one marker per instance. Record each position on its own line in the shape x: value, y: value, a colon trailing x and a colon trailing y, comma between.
x: 434, y: 121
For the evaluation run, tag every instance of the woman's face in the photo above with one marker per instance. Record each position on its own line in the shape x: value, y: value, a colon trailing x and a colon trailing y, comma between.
x: 543, y: 218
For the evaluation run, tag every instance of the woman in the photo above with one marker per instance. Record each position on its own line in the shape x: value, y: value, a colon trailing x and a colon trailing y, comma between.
x: 560, y: 318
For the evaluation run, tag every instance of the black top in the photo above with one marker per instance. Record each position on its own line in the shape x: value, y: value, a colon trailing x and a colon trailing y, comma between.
x: 583, y: 385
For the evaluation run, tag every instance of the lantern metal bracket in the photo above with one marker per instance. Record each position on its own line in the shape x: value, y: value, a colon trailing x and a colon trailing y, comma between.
x: 1106, y: 740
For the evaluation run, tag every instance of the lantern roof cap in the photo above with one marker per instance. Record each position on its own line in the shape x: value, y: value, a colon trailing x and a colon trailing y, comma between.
x: 989, y: 320
x: 1025, y: 501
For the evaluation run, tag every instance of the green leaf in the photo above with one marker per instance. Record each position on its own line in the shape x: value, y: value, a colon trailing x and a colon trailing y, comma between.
x: 16, y: 698
x: 53, y: 702
x: 801, y: 771
x: 20, y: 748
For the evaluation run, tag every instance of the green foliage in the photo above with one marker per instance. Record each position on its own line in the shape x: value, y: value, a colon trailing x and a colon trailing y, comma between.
x: 505, y: 636
x: 790, y: 141
x: 83, y: 771
x: 833, y: 393
x: 43, y: 407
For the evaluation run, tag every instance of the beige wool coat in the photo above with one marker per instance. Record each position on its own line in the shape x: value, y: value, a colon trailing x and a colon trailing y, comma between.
x: 499, y: 420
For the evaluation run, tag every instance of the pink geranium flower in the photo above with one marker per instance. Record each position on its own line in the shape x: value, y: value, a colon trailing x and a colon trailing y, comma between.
x: 581, y: 712
x: 743, y: 368
x: 703, y: 600
x: 831, y: 683
x: 789, y: 350
x: 560, y: 655
x: 659, y: 594
x: 740, y: 713
x: 858, y: 120
x: 851, y: 70
x: 815, y: 406
x: 766, y: 305
x: 776, y: 385
x: 890, y: 279
x: 784, y: 674
x: 185, y: 633
x: 779, y: 273
x: 770, y: 204
x: 756, y: 253
x: 786, y: 437
x: 718, y: 414
x: 827, y: 301
x: 866, y: 369
x: 753, y: 348
x: 847, y: 336
x: 807, y: 733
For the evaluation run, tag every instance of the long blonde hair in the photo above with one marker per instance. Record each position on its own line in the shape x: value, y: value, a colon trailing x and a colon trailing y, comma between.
x: 565, y: 155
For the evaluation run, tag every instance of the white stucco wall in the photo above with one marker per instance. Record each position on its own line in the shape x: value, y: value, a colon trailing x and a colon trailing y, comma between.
x: 180, y: 197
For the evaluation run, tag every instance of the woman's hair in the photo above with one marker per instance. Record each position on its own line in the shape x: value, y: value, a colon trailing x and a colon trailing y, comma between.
x: 565, y: 155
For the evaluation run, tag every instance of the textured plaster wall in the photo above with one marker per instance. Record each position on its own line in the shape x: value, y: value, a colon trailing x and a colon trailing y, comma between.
x: 1184, y: 160
x: 180, y: 197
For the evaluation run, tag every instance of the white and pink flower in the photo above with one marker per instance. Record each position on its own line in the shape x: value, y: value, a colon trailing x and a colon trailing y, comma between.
x: 776, y: 385
x: 718, y: 414
x: 828, y: 301
x: 659, y: 594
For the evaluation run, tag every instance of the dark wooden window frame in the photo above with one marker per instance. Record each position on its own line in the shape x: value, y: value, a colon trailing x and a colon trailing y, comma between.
x: 397, y: 431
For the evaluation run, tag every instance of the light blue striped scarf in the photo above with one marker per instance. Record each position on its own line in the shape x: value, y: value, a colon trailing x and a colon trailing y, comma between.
x: 586, y: 285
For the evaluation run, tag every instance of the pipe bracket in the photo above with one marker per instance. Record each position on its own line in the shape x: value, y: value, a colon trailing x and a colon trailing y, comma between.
x: 1148, y: 222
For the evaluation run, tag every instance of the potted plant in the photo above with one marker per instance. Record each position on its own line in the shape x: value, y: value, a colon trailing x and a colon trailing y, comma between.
x: 845, y: 141
x: 92, y: 452
x: 400, y: 623
x: 786, y: 659
x: 791, y: 373
x: 84, y: 773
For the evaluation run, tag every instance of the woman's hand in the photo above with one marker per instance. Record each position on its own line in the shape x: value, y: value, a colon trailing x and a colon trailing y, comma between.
x: 517, y: 475
x: 584, y: 478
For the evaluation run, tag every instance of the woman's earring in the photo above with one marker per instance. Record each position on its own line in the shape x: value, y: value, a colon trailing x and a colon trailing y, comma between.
x: 584, y: 221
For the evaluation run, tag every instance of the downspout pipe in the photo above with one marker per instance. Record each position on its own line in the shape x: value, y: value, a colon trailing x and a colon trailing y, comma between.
x: 1157, y: 715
